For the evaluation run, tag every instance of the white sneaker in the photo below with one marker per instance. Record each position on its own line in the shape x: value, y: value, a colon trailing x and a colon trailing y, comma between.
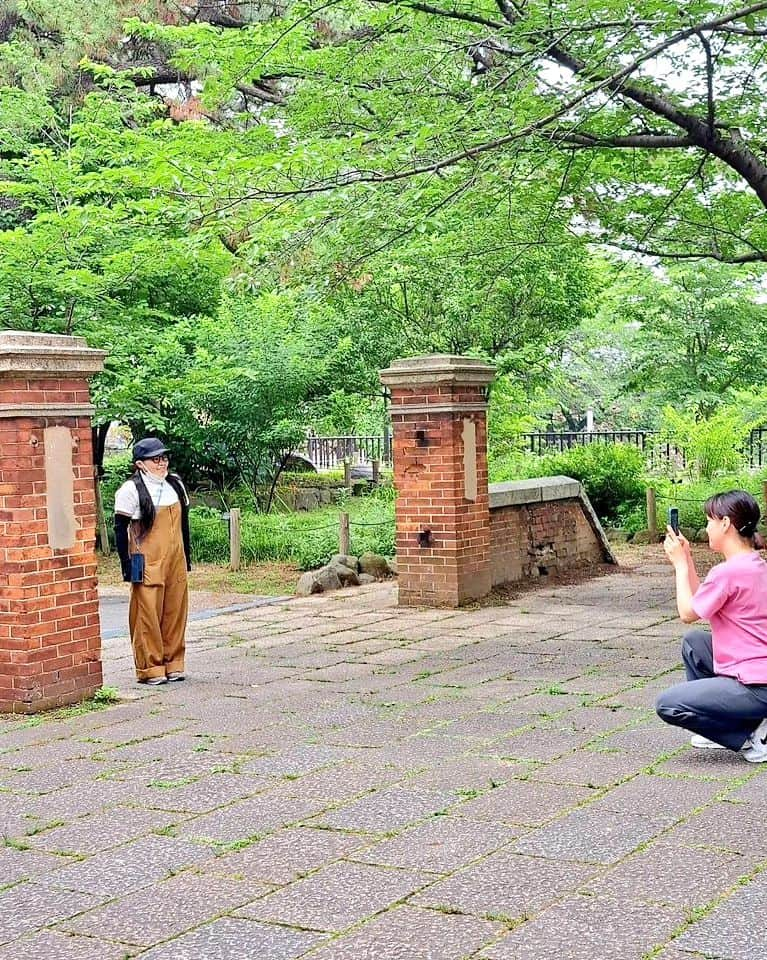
x: 703, y: 743
x: 755, y: 748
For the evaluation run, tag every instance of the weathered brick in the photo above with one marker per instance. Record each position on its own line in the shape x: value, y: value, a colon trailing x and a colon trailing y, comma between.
x: 49, y: 624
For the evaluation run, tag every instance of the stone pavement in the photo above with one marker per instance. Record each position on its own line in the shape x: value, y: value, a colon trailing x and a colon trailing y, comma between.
x: 343, y: 780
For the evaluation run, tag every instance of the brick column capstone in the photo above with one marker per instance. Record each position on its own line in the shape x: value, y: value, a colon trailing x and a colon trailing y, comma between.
x: 439, y: 419
x: 50, y: 645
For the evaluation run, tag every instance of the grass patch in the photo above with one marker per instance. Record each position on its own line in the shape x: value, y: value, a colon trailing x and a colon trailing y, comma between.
x: 306, y: 540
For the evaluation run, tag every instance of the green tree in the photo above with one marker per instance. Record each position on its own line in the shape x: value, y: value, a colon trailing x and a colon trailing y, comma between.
x: 648, y: 116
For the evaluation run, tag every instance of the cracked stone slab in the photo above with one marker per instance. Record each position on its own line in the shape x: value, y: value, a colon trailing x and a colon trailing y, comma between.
x: 203, y: 795
x: 126, y: 868
x: 18, y: 865
x: 440, y: 845
x: 591, y: 835
x: 28, y: 906
x: 591, y: 768
x: 584, y: 928
x: 100, y: 831
x: 710, y: 764
x: 166, y: 909
x: 645, y: 795
x: 740, y: 828
x: 54, y: 776
x: 298, y: 760
x: 505, y: 884
x: 525, y: 802
x: 671, y: 874
x: 287, y: 855
x: 546, y: 742
x: 343, y: 783
x: 46, y: 754
x: 52, y: 945
x: 79, y: 800
x: 467, y: 774
x: 231, y: 938
x: 406, y: 932
x: 387, y: 810
x: 336, y: 896
x: 735, y: 930
x: 251, y: 818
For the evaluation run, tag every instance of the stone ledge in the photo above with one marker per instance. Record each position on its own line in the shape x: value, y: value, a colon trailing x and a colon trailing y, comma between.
x: 43, y: 355
x: 24, y: 410
x: 516, y: 492
x: 437, y: 368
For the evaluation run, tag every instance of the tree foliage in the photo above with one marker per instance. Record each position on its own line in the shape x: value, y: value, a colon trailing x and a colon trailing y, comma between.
x: 647, y: 116
x: 255, y: 207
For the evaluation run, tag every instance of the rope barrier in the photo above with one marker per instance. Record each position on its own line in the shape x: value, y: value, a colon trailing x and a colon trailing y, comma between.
x: 661, y: 496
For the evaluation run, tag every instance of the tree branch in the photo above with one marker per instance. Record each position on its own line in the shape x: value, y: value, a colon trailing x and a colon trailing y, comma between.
x: 709, y: 82
x: 755, y: 257
x: 643, y: 141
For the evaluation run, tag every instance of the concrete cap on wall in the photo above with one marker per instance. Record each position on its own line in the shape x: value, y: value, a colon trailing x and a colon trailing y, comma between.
x: 437, y: 368
x: 47, y: 355
x: 535, y: 490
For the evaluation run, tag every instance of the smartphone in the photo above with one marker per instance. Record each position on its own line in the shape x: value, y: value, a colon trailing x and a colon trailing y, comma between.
x: 137, y: 568
x: 673, y: 519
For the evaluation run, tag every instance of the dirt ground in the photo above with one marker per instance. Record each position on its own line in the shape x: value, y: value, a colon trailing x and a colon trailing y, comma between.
x: 213, y: 585
x: 263, y: 579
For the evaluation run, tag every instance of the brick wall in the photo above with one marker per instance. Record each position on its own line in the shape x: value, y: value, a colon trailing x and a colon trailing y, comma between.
x: 49, y: 621
x: 529, y: 540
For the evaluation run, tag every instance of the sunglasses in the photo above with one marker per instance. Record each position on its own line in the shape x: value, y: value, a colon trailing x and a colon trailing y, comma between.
x: 161, y: 458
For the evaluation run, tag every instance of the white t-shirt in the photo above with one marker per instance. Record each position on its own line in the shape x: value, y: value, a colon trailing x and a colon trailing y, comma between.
x: 126, y: 498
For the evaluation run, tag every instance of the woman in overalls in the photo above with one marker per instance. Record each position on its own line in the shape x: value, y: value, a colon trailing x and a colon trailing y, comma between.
x: 152, y: 522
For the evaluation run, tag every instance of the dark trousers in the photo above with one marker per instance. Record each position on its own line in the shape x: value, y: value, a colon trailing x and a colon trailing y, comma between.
x: 720, y: 708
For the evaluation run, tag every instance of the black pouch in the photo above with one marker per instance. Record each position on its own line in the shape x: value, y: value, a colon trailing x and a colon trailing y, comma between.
x: 137, y: 568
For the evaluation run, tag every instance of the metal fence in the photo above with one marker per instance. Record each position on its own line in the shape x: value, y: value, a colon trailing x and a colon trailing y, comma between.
x: 658, y: 454
x: 328, y: 453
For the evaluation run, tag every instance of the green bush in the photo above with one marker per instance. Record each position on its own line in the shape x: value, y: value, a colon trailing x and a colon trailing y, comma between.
x: 611, y: 473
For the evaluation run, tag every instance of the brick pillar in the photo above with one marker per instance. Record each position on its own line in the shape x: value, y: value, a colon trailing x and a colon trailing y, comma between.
x: 439, y: 416
x: 50, y: 644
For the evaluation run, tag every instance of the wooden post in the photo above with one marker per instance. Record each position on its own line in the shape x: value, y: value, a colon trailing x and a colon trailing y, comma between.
x: 652, y: 513
x: 101, y: 518
x: 348, y: 475
x: 376, y: 472
x: 234, y: 538
x: 344, y: 540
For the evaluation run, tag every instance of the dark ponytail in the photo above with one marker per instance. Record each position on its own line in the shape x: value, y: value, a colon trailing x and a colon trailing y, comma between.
x: 145, y: 504
x: 741, y: 509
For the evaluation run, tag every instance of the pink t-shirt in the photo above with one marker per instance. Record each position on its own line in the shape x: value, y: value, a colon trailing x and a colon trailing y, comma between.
x: 733, y: 598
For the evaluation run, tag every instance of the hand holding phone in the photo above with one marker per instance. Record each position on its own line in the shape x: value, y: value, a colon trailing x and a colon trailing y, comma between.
x: 673, y: 519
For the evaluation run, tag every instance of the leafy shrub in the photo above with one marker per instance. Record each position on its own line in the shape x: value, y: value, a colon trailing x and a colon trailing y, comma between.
x: 710, y: 445
x: 690, y: 497
x: 611, y: 473
x: 293, y: 478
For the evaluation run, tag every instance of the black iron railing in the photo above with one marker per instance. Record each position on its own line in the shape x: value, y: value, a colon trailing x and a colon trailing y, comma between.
x: 328, y: 453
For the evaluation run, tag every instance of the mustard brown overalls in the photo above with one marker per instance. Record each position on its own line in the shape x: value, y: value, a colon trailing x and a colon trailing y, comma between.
x: 159, y: 605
